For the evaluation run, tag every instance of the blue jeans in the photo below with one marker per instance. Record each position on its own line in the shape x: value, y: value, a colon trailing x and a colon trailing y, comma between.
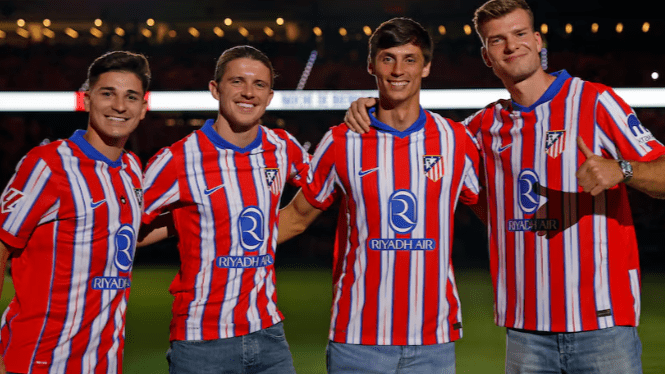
x: 607, y: 351
x: 264, y: 351
x: 400, y: 359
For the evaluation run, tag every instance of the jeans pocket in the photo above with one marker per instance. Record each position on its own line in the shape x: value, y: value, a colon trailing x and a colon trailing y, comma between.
x: 275, y: 331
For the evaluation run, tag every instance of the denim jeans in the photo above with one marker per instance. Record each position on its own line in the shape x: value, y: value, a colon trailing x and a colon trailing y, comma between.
x: 607, y: 351
x: 344, y: 358
x: 264, y: 351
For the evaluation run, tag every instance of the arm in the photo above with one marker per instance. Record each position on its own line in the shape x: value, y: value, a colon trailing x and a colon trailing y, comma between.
x: 357, y: 118
x: 597, y: 174
x: 159, y: 229
x: 295, y: 218
x: 4, y: 256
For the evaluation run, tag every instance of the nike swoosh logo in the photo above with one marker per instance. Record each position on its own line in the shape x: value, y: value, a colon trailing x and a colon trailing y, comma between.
x: 501, y: 149
x: 96, y: 204
x: 211, y: 190
x: 362, y: 173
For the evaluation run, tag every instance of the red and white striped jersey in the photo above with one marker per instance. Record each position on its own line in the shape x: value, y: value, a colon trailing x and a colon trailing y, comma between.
x: 393, y: 281
x: 561, y: 260
x: 225, y: 203
x: 73, y: 216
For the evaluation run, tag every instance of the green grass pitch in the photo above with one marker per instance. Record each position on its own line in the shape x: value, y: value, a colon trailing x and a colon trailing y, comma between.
x: 304, y: 299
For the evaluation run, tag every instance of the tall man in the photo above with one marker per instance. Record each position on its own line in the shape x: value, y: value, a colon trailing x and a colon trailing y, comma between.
x: 222, y: 185
x: 395, y: 302
x: 563, y: 252
x: 68, y: 222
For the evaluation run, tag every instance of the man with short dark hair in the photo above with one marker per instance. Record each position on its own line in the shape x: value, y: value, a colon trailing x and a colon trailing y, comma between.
x: 395, y: 302
x: 222, y: 185
x: 69, y: 222
x: 563, y: 252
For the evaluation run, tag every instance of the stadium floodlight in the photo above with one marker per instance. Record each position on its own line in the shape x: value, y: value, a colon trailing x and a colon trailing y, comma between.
x: 193, y: 101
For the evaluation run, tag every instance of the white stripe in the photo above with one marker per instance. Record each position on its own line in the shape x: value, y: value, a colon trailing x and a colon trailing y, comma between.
x: 81, y: 253
x: 635, y: 290
x: 542, y: 255
x: 39, y: 177
x: 386, y: 291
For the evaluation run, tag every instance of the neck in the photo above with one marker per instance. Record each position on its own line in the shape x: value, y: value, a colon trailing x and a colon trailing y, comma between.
x: 238, y: 135
x: 398, y: 116
x: 528, y: 91
x: 112, y: 148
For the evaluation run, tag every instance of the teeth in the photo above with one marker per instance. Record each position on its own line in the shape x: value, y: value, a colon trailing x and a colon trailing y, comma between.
x: 399, y: 83
x: 117, y: 119
x: 245, y: 105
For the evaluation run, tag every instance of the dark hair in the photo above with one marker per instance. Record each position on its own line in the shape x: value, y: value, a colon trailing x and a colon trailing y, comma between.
x: 494, y: 9
x: 119, y: 61
x: 242, y: 51
x: 400, y: 31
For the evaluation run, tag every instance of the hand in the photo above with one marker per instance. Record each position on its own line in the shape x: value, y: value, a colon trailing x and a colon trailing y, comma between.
x: 357, y: 118
x: 597, y: 174
x: 3, y: 370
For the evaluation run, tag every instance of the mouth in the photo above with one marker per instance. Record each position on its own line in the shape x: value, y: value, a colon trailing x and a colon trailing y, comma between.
x: 245, y: 105
x: 117, y: 119
x: 398, y: 83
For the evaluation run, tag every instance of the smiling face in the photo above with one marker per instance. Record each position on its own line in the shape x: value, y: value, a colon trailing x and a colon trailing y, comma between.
x: 399, y: 72
x: 511, y: 47
x: 116, y: 105
x: 243, y: 92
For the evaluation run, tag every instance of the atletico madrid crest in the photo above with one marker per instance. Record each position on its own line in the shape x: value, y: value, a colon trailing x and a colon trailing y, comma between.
x: 273, y: 180
x: 555, y: 142
x: 433, y: 167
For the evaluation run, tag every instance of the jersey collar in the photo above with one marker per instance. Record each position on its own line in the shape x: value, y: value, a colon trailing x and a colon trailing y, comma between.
x: 90, y: 151
x: 561, y: 77
x: 220, y: 142
x: 380, y: 126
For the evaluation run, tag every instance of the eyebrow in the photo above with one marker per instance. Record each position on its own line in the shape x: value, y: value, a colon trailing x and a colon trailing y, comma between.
x: 114, y: 89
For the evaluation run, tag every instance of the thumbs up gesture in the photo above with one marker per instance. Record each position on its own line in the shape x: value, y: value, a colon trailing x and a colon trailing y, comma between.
x: 597, y: 174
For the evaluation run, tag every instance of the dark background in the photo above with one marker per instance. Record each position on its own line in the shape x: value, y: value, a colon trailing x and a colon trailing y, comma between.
x: 185, y: 62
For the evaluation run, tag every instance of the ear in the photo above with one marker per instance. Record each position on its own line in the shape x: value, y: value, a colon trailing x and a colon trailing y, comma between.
x: 539, y: 41
x: 144, y: 110
x: 272, y: 93
x: 486, y: 58
x: 86, y: 100
x: 370, y: 68
x: 212, y: 86
x: 426, y: 70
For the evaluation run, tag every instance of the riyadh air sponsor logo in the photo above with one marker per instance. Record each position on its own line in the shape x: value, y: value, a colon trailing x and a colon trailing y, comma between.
x: 125, y: 244
x: 110, y: 283
x: 640, y: 132
x: 527, y: 185
x: 10, y: 199
x: 402, y: 244
x: 244, y: 262
x: 535, y: 224
x: 250, y: 225
x: 363, y: 173
x: 402, y: 211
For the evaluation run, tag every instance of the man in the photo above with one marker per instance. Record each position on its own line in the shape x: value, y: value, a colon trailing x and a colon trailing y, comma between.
x: 69, y: 219
x: 395, y: 302
x: 222, y: 185
x: 563, y: 252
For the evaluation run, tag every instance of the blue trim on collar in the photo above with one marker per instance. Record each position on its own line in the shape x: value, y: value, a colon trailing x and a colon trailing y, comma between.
x: 561, y: 77
x: 220, y: 142
x: 380, y: 126
x: 90, y: 151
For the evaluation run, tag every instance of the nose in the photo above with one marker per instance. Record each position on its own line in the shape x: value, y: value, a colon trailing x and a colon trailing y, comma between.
x: 398, y: 68
x: 248, y: 91
x: 119, y: 104
x: 511, y: 44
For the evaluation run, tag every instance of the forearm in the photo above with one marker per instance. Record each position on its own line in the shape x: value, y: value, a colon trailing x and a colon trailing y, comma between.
x: 649, y: 177
x: 295, y: 218
x: 4, y: 256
